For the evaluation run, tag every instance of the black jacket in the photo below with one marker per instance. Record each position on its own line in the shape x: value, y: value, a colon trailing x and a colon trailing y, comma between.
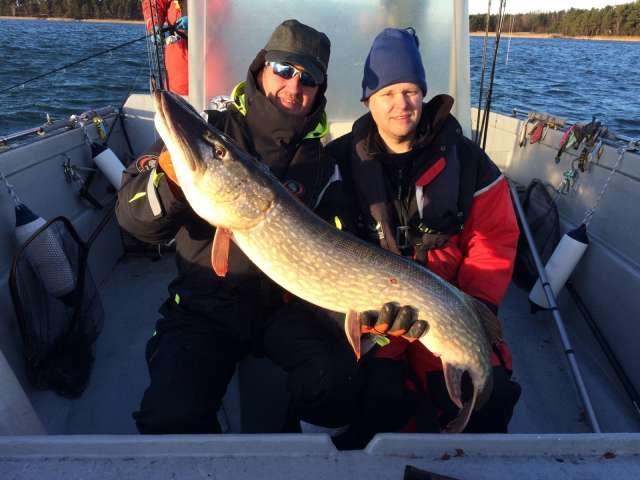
x: 293, y: 151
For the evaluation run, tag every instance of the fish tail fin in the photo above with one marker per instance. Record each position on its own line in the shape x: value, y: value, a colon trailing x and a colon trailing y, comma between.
x: 485, y: 394
x: 453, y: 381
x: 458, y: 424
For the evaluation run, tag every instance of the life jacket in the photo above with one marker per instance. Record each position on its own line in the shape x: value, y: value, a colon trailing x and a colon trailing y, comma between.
x: 436, y: 190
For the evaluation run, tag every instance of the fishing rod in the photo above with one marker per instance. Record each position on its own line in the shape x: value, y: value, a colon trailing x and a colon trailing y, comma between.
x: 506, y: 61
x: 487, y: 108
x: 158, y: 52
x: 20, y: 84
x: 482, y: 73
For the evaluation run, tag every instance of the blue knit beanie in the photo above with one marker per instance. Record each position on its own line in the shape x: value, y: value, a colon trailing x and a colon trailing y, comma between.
x: 394, y: 58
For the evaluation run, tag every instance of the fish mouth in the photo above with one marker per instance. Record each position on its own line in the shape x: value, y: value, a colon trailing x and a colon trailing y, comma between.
x: 180, y: 127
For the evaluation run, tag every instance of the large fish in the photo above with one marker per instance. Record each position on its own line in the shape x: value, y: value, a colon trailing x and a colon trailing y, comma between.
x: 317, y: 262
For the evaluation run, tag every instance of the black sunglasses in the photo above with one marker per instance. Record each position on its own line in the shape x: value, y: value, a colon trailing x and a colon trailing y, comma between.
x: 286, y: 71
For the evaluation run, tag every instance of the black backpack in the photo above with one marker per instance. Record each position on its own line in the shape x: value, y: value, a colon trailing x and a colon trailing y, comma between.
x: 542, y: 217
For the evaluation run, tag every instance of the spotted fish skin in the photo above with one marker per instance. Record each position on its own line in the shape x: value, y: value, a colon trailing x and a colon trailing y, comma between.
x: 317, y: 262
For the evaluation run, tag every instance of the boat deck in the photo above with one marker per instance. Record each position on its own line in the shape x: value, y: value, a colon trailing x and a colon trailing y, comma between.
x: 95, y: 436
x: 137, y: 286
x: 547, y: 440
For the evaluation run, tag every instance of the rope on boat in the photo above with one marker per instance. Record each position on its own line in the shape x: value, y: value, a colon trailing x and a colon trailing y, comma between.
x: 589, y: 213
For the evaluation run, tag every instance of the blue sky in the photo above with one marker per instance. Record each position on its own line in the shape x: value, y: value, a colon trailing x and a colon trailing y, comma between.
x: 525, y: 6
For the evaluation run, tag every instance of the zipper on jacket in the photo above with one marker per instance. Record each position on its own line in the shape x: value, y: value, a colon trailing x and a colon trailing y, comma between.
x: 402, y: 212
x: 402, y: 199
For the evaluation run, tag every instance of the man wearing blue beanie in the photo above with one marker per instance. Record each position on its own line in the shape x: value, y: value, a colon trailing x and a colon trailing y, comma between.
x: 423, y: 190
x: 394, y: 58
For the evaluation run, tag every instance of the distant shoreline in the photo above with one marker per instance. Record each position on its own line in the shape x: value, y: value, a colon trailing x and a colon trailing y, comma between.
x: 64, y: 19
x: 611, y: 38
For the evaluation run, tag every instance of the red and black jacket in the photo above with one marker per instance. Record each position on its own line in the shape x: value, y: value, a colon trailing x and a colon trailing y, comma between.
x: 446, y: 194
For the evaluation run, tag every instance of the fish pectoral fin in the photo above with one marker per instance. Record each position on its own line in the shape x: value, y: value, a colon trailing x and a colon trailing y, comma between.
x: 352, y: 330
x: 220, y: 251
x: 490, y: 322
x: 453, y: 380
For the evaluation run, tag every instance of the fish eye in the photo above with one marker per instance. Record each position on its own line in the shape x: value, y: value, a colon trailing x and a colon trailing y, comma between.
x: 219, y: 151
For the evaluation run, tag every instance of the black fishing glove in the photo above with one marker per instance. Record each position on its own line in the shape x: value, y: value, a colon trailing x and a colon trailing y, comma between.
x: 395, y: 321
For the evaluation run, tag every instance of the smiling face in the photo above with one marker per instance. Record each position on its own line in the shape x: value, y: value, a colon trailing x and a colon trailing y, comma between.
x: 289, y: 95
x: 397, y: 109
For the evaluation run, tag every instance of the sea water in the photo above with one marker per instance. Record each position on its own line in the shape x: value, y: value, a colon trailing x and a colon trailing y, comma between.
x: 571, y: 78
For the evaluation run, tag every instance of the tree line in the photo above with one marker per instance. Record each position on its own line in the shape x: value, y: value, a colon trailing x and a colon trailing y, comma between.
x: 618, y: 20
x: 77, y: 9
x: 621, y: 20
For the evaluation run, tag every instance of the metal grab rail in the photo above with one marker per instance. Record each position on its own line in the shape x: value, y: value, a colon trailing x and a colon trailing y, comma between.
x: 57, y: 126
x: 551, y: 300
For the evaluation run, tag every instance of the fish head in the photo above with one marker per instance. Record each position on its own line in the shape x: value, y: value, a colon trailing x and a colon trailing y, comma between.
x: 223, y: 184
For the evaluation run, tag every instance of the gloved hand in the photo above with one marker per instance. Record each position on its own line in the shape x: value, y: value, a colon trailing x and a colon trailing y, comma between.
x: 182, y: 23
x: 395, y: 321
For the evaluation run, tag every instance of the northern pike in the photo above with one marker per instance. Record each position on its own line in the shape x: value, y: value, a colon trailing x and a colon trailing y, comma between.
x: 317, y: 262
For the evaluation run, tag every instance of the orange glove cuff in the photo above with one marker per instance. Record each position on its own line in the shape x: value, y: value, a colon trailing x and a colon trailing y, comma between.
x: 164, y: 160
